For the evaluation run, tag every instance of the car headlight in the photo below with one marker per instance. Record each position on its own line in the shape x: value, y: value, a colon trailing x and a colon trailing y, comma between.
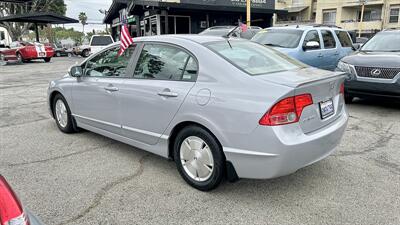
x: 347, y: 68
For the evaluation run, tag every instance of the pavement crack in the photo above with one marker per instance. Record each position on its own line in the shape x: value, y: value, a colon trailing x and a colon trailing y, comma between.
x: 41, y: 118
x: 59, y: 157
x: 380, y: 143
x: 103, y: 191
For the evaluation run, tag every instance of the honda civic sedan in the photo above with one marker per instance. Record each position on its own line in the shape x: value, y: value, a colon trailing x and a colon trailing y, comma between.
x: 218, y: 107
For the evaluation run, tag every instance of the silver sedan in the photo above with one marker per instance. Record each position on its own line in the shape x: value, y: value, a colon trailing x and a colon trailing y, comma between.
x: 218, y: 107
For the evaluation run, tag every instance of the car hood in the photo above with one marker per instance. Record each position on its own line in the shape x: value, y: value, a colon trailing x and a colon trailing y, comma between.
x: 374, y: 59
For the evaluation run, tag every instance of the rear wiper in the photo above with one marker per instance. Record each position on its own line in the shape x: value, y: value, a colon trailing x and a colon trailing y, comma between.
x: 274, y: 45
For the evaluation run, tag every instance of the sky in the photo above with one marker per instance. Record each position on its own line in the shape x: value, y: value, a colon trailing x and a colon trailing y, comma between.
x: 91, y: 7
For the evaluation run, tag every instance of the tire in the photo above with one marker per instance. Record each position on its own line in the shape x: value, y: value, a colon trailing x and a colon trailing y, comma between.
x: 47, y: 59
x: 58, y: 54
x: 85, y: 53
x: 204, y: 164
x: 20, y: 60
x: 69, y: 54
x: 348, y: 98
x: 3, y: 61
x: 62, y: 115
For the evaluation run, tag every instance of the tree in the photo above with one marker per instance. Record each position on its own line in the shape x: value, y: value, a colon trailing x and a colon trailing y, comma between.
x: 16, y: 30
x: 83, y: 19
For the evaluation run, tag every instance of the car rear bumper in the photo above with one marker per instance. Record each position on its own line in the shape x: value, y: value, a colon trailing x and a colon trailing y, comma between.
x: 366, y: 88
x: 288, y: 149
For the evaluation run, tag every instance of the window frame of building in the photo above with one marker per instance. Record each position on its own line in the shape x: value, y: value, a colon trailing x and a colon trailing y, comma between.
x: 370, y: 15
x: 330, y: 12
x: 394, y: 8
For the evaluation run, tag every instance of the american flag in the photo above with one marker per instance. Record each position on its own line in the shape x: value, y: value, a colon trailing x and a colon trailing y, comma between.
x: 126, y: 39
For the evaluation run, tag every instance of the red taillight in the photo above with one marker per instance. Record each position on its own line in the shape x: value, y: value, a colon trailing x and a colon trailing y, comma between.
x: 11, y: 211
x: 286, y: 111
x: 342, y: 89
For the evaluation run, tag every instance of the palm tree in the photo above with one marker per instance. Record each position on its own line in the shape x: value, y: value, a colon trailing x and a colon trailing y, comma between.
x: 83, y: 19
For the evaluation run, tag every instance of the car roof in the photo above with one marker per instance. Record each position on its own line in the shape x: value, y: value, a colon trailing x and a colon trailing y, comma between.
x: 201, y: 39
x: 307, y: 27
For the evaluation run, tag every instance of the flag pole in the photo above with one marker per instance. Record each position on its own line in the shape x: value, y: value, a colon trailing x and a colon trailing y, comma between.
x: 248, y: 13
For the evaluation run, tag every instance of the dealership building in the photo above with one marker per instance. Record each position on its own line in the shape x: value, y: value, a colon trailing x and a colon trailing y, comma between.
x: 154, y: 17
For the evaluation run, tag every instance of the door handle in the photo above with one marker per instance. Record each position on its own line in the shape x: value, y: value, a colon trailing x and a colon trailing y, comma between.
x: 111, y: 89
x: 168, y: 94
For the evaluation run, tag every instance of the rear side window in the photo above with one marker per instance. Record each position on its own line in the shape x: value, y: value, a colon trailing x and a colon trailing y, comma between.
x: 329, y: 40
x: 344, y: 38
x: 312, y: 36
x: 164, y: 62
x: 101, y: 41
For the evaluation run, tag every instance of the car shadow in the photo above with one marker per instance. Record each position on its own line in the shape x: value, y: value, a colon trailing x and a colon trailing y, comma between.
x: 387, y: 103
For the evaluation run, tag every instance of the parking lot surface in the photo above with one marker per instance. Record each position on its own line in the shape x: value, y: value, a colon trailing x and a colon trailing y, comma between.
x: 86, y: 178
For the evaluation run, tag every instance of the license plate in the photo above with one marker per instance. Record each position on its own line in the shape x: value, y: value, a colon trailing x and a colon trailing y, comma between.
x: 42, y: 54
x: 327, y: 109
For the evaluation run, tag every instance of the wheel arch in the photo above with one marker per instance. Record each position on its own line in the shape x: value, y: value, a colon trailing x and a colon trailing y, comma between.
x: 51, y: 100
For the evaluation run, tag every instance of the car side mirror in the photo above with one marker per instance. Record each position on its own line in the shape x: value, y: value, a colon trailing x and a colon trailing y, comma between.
x: 357, y: 46
x: 311, y: 45
x: 76, y: 71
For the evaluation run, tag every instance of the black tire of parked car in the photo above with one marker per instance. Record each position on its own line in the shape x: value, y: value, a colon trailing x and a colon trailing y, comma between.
x: 218, y: 157
x: 20, y: 60
x: 348, y: 98
x: 47, y: 59
x: 85, y: 53
x: 69, y: 128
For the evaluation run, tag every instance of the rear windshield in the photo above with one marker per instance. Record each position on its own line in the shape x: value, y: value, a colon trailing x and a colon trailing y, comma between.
x: 383, y: 42
x: 101, y: 41
x: 216, y: 32
x: 254, y: 58
x: 285, y: 38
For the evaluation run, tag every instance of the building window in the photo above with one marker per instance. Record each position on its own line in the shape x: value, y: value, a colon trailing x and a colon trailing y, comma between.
x: 370, y: 15
x: 394, y: 14
x: 329, y: 17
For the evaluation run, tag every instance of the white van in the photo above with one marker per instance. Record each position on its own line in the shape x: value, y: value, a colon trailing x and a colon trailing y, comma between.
x: 96, y: 44
x: 5, y: 38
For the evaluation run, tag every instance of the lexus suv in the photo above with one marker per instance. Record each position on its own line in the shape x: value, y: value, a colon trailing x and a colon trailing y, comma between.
x: 374, y: 70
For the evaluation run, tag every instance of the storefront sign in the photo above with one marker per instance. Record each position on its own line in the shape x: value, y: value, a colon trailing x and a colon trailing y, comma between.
x: 264, y: 4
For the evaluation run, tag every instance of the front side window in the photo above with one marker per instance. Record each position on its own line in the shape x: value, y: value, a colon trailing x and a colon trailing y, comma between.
x: 344, y: 38
x: 109, y: 64
x: 14, y: 44
x: 164, y: 62
x: 394, y: 14
x: 329, y: 40
x: 312, y: 36
x: 254, y: 58
x: 284, y: 38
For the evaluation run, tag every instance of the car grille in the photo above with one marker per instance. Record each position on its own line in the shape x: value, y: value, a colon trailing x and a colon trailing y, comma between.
x: 375, y: 72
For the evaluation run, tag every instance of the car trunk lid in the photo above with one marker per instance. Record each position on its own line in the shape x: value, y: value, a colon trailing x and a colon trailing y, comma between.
x: 324, y: 87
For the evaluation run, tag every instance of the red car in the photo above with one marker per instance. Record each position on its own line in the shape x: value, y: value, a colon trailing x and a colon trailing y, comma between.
x: 21, y: 51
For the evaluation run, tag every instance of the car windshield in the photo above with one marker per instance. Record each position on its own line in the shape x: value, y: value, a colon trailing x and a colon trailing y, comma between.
x: 383, y: 42
x: 254, y: 58
x: 285, y: 38
x: 101, y: 41
x: 216, y: 32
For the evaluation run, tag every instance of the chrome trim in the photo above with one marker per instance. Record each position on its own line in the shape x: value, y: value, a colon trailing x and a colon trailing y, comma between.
x: 97, y: 121
x: 247, y: 152
x: 162, y: 136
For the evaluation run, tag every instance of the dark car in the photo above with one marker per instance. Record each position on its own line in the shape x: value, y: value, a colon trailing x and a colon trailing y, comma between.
x: 11, y: 210
x: 224, y: 30
x: 374, y: 70
x: 60, y: 51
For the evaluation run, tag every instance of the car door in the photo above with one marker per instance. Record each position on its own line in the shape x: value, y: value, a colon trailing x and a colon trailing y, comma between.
x: 95, y: 95
x: 346, y: 44
x: 163, y: 76
x: 312, y: 57
x: 330, y: 52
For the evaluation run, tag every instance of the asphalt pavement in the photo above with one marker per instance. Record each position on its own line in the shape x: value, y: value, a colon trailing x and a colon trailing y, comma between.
x: 86, y: 178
